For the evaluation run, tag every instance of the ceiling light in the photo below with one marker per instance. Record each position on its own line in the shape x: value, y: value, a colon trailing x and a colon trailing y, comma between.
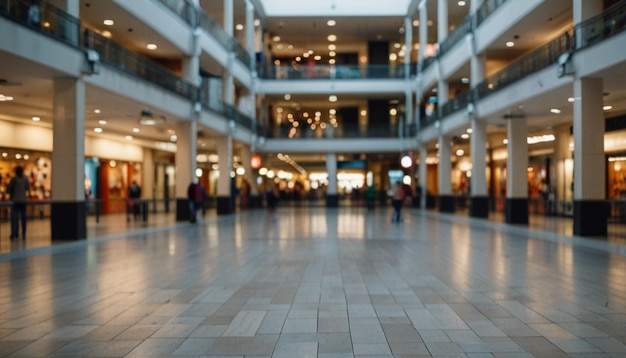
x: 416, y: 23
x: 364, y: 112
x: 505, y: 141
x: 287, y: 97
x: 279, y: 46
x: 332, y: 54
x: 465, y: 136
x: 397, y: 45
x: 555, y: 110
x: 129, y: 137
x: 97, y: 130
x: 331, y: 22
x: 257, y: 22
x: 276, y: 38
x: 393, y: 57
x: 393, y: 111
x: 461, y: 3
x: 151, y: 46
x: 305, y: 55
x: 36, y: 119
x: 135, y: 130
x: 106, y: 34
x: 571, y: 100
x: 332, y: 38
x: 173, y: 138
x: 5, y: 98
x: 290, y: 47
x: 109, y: 22
x: 102, y: 121
x: 332, y: 98
x: 332, y: 111
x: 239, y: 27
x: 97, y: 111
x: 459, y: 152
x: 298, y: 59
x: 465, y: 80
x: 310, y: 52
x: 332, y: 47
x: 469, y: 130
x: 510, y: 44
x: 607, y: 108
x: 317, y: 58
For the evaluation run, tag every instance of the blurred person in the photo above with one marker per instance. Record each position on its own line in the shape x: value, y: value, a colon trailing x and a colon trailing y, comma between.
x: 18, y: 192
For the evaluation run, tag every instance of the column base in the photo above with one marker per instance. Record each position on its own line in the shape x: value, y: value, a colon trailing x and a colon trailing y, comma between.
x: 417, y: 202
x: 332, y: 201
x: 446, y: 204
x: 590, y: 217
x: 479, y: 207
x: 68, y: 221
x: 516, y: 210
x: 224, y: 205
x: 182, y: 209
x: 431, y: 203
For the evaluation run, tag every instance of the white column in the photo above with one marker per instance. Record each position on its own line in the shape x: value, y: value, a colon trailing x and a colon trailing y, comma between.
x: 423, y: 30
x: 562, y: 153
x: 229, y: 15
x: 147, y: 174
x: 225, y: 164
x: 185, y: 158
x: 250, y: 47
x: 408, y: 47
x: 478, y: 143
x: 442, y: 20
x: 589, y: 159
x: 444, y: 170
x: 477, y: 69
x: 516, y: 210
x: 423, y: 174
x: 583, y: 10
x: 250, y: 174
x: 68, y: 136
x: 331, y: 190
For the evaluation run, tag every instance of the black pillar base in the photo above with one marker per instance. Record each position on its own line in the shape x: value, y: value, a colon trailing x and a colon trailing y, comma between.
x: 255, y: 202
x: 479, y: 207
x: 590, y: 217
x: 182, y: 209
x: 332, y: 201
x: 68, y: 221
x: 516, y: 211
x: 417, y: 202
x: 446, y: 204
x: 431, y: 203
x: 224, y: 205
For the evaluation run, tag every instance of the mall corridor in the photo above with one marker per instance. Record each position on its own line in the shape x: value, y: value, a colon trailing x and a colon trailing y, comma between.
x: 317, y: 282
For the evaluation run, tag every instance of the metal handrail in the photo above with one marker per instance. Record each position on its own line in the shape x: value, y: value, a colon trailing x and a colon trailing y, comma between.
x: 130, y: 62
x: 600, y: 27
x: 211, y: 26
x: 44, y: 18
x: 462, y: 29
x: 486, y: 9
x: 184, y: 9
x: 325, y: 72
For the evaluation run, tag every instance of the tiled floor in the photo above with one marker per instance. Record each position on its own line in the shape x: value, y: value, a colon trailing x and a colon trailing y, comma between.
x: 316, y: 282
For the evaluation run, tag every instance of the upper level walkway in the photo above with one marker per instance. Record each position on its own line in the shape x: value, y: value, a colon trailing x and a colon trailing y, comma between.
x: 315, y: 282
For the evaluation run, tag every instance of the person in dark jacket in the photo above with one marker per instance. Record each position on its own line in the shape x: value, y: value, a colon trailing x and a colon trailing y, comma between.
x: 18, y: 192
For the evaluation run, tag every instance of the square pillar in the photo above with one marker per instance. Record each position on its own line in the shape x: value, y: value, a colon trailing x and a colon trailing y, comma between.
x: 516, y: 205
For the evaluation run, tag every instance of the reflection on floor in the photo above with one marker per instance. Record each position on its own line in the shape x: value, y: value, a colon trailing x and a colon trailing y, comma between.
x: 315, y: 282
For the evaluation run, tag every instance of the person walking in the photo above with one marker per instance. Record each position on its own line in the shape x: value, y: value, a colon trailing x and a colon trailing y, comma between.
x: 397, y: 200
x: 134, y: 195
x: 196, y: 195
x: 18, y: 192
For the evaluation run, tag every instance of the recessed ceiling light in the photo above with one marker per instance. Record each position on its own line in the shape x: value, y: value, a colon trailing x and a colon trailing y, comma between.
x: 332, y: 54
x: 173, y: 138
x: 135, y: 130
x: 555, y: 110
x: 510, y: 44
x: 97, y: 130
x: 607, y: 108
x: 298, y: 59
x: 505, y: 141
x: 465, y: 80
x: 129, y: 137
x: 97, y: 111
x: 102, y: 121
x: 36, y: 119
x: 332, y: 38
x: 109, y: 22
x: 276, y: 38
x: 257, y: 22
x: 239, y: 27
x: 332, y: 98
x: 290, y: 47
x: 151, y: 46
x: 305, y: 55
x: 416, y: 23
x: 461, y: 3
x: 5, y: 98
x: 331, y: 22
x: 317, y: 58
x: 332, y: 47
x: 571, y: 99
x: 464, y: 135
x: 279, y: 46
x: 287, y: 97
x: 460, y: 152
x: 106, y: 34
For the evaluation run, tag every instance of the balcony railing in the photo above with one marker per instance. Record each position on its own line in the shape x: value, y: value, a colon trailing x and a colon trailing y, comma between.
x: 184, y: 9
x: 45, y: 18
x: 327, y: 131
x: 486, y: 9
x: 535, y: 61
x: 457, y: 103
x: 456, y: 35
x: 132, y: 63
x: 325, y: 72
x: 601, y: 27
x: 213, y: 27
